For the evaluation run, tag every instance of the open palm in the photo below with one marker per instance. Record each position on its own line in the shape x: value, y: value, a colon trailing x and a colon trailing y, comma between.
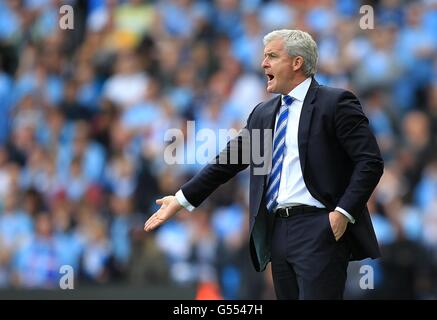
x: 169, y: 207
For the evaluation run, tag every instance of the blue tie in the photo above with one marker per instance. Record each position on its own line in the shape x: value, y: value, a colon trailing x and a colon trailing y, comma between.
x: 278, y: 155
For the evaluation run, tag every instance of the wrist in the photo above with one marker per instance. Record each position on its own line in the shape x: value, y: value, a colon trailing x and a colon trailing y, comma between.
x: 343, y: 217
x: 175, y: 204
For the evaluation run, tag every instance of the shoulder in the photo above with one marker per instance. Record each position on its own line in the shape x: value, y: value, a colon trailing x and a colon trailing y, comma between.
x: 261, y: 107
x: 332, y: 99
x: 334, y: 94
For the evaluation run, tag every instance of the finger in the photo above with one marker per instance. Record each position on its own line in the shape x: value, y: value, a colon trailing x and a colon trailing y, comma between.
x: 148, y: 228
x: 153, y: 225
x: 146, y: 225
x: 160, y: 201
x: 153, y: 222
x: 339, y: 234
x: 149, y: 222
x: 149, y: 225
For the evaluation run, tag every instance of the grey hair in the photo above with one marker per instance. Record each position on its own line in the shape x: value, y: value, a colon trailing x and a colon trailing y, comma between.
x: 297, y: 43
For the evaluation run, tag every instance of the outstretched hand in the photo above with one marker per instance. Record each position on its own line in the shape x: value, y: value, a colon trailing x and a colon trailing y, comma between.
x: 169, y: 207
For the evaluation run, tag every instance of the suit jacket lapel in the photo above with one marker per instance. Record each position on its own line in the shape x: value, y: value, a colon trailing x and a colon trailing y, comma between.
x: 269, y: 124
x: 305, y: 122
x: 270, y: 116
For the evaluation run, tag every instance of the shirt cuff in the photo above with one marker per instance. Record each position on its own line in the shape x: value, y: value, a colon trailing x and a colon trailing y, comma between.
x: 183, y: 201
x: 348, y: 216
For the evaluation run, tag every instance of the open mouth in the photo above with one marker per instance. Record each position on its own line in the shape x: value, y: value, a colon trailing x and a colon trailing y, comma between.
x: 270, y: 77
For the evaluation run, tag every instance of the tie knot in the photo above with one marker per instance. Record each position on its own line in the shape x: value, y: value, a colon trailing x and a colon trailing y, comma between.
x: 287, y: 100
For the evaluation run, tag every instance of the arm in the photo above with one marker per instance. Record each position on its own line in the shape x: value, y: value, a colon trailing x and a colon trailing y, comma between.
x: 356, y: 138
x: 195, y: 191
x: 225, y: 166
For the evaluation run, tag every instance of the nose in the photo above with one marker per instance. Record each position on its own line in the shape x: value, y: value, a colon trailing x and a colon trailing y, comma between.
x: 264, y: 63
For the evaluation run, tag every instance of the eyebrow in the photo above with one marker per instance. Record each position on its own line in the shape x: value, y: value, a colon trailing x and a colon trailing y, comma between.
x: 269, y: 53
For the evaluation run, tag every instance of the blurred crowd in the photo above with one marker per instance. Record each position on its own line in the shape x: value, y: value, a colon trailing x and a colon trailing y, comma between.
x: 84, y: 114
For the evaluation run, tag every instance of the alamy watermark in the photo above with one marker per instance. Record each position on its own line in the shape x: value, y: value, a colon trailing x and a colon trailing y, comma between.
x: 67, y: 279
x: 66, y: 19
x: 244, y: 147
x: 367, y: 20
x: 367, y: 279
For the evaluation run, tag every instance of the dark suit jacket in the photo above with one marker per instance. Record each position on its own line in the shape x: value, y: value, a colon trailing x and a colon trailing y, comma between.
x: 340, y: 161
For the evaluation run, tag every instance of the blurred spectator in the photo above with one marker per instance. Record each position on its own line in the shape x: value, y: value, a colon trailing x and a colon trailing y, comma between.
x: 128, y: 83
x: 97, y: 251
x: 38, y: 261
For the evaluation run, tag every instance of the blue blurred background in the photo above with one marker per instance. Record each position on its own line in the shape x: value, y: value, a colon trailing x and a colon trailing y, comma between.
x: 83, y: 114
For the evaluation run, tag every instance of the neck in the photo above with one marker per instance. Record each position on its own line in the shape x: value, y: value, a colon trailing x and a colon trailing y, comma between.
x: 293, y: 84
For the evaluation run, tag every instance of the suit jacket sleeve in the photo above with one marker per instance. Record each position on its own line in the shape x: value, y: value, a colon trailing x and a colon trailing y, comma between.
x: 231, y: 160
x: 356, y: 138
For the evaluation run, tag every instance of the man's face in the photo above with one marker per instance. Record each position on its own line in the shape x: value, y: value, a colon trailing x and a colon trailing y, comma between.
x: 278, y: 67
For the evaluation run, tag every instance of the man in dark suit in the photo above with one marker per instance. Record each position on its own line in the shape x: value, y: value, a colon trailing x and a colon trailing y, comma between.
x: 308, y: 214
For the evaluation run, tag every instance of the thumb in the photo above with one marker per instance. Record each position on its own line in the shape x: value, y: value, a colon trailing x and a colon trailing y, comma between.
x: 160, y: 201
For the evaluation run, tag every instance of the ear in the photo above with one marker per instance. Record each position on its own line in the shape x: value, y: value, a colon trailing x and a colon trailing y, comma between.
x: 297, y: 63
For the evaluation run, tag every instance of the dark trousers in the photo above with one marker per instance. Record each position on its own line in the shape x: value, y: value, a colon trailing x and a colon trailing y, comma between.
x: 307, y: 261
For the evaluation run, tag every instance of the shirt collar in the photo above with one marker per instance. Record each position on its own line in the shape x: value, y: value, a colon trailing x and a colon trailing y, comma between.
x: 299, y: 92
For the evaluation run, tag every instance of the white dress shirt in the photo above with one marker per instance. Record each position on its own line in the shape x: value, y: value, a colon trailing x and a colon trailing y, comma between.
x: 292, y: 188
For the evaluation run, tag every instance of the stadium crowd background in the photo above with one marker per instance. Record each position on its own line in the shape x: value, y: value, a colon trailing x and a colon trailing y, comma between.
x: 83, y: 115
